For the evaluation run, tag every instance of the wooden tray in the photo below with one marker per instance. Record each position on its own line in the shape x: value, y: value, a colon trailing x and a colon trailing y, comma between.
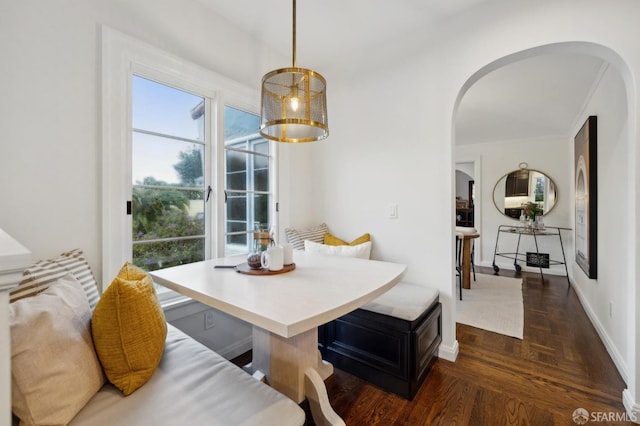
x: 243, y: 268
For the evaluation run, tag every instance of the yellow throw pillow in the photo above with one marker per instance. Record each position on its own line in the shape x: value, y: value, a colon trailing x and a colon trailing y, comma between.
x: 332, y: 240
x: 129, y: 329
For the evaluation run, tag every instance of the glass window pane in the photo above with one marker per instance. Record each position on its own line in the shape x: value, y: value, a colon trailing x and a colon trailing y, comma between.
x: 237, y: 180
x: 236, y: 161
x: 236, y: 226
x: 262, y: 147
x: 165, y: 161
x: 238, y: 123
x: 163, y: 109
x: 237, y: 207
x: 261, y: 180
x: 236, y: 172
x: 153, y: 256
x: 167, y: 213
x: 245, y: 172
x: 261, y: 208
x: 260, y: 162
x: 239, y: 241
x: 236, y: 244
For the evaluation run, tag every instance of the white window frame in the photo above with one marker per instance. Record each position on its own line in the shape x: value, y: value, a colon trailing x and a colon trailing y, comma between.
x: 123, y: 56
x: 251, y: 154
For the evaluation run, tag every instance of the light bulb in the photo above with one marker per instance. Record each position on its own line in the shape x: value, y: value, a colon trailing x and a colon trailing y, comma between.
x: 294, y: 103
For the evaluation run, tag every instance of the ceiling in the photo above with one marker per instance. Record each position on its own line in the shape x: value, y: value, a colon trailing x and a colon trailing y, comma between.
x: 534, y: 98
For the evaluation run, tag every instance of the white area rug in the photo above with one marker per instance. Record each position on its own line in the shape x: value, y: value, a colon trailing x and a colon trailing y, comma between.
x: 493, y: 303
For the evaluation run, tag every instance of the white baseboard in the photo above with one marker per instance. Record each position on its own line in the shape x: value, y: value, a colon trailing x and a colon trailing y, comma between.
x: 617, y: 358
x: 632, y: 406
x: 237, y: 348
x: 450, y: 353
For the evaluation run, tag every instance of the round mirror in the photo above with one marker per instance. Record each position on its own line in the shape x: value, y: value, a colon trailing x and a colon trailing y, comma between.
x: 518, y: 188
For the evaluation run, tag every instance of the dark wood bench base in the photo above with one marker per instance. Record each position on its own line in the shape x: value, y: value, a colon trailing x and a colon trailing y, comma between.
x: 391, y: 353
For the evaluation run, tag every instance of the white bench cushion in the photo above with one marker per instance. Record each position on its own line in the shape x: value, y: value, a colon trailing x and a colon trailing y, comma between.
x: 192, y: 385
x: 405, y: 301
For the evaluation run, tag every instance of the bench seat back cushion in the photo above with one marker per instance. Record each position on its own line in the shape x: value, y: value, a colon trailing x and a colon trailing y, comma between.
x: 54, y: 367
x: 41, y: 274
x: 297, y: 237
x: 192, y: 385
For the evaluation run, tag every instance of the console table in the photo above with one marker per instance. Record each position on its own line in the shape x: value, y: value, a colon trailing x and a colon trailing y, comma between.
x: 549, y: 231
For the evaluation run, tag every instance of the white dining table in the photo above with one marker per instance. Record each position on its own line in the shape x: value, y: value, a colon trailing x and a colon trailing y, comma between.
x: 286, y: 310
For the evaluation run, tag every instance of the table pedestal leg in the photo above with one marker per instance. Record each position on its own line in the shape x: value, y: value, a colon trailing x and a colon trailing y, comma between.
x: 466, y: 263
x: 323, y: 414
x: 294, y: 367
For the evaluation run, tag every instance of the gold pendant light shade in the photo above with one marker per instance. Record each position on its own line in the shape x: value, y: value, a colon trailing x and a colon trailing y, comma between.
x: 294, y: 106
x: 294, y: 103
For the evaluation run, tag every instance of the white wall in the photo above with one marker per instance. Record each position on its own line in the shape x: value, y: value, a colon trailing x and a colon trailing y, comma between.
x: 50, y: 108
x: 50, y: 161
x: 550, y: 156
x: 613, y: 285
x: 392, y: 116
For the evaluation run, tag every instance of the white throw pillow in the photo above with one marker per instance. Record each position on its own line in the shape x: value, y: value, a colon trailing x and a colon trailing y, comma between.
x: 54, y: 367
x: 361, y: 251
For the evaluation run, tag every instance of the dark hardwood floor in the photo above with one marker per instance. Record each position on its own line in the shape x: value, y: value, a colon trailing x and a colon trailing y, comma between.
x: 559, y: 366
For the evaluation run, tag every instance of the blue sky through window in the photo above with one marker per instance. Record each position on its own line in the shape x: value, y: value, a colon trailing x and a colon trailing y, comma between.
x: 163, y: 109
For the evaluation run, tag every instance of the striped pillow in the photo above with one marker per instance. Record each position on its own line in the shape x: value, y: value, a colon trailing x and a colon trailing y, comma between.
x: 40, y: 275
x: 297, y: 237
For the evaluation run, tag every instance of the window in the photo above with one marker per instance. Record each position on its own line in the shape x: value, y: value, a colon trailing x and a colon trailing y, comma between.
x: 176, y: 136
x: 247, y: 179
x: 168, y: 144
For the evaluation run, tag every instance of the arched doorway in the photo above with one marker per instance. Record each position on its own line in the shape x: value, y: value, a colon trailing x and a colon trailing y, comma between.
x: 610, y: 301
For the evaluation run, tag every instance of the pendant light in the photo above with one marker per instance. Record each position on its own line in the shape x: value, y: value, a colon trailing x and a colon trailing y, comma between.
x: 294, y: 103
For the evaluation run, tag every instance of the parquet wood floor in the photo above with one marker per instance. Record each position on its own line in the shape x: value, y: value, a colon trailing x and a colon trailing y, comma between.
x: 559, y: 366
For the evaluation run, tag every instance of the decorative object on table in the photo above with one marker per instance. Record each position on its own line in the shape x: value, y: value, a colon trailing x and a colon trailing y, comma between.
x: 272, y: 259
x: 538, y: 260
x: 586, y: 166
x: 243, y: 268
x: 254, y: 260
x: 262, y: 237
x: 287, y: 253
x: 262, y: 240
x: 294, y: 102
x: 532, y: 210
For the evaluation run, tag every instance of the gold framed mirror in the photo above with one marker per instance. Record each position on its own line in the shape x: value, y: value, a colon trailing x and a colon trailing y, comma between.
x: 519, y: 187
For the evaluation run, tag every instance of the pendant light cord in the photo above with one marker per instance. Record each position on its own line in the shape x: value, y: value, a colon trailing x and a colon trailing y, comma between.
x: 294, y: 33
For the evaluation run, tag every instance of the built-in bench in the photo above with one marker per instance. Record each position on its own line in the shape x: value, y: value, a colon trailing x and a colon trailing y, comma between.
x: 191, y: 384
x: 390, y: 342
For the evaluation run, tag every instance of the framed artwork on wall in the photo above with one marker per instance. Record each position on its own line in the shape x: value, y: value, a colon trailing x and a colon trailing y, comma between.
x: 586, y: 190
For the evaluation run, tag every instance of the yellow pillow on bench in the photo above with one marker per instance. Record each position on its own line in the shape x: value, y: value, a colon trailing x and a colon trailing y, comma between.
x: 129, y: 329
x: 332, y: 240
